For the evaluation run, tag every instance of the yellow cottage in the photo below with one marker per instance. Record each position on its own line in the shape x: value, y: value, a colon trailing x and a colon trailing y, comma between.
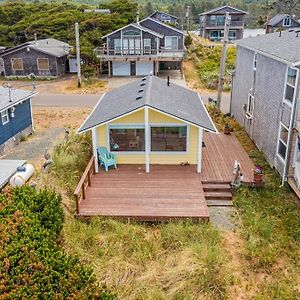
x: 150, y: 121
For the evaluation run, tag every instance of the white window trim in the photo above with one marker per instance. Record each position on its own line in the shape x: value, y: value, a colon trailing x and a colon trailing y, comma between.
x: 172, y: 36
x: 248, y: 114
x: 290, y: 21
x: 280, y: 140
x: 12, y: 65
x: 37, y: 63
x: 254, y: 61
x: 287, y: 102
x: 4, y: 114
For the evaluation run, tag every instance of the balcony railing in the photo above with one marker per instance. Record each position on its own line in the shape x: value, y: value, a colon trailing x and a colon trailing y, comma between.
x: 103, y: 52
x: 210, y: 23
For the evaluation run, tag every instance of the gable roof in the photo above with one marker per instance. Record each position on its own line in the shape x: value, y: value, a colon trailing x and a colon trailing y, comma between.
x: 153, y: 92
x: 227, y: 8
x: 279, y: 18
x: 49, y: 46
x: 282, y: 46
x: 164, y: 13
x: 138, y: 26
x: 163, y: 24
x: 11, y: 97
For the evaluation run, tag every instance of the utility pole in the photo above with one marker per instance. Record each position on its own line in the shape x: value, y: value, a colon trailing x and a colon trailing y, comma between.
x: 223, y: 59
x: 78, y: 55
x: 188, y: 18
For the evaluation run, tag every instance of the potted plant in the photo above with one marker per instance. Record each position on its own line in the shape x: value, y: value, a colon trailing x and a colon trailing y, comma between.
x: 227, y: 129
x: 258, y: 174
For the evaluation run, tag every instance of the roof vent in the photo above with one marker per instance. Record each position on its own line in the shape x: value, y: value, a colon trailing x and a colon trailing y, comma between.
x: 297, y: 33
x: 140, y: 91
x: 139, y: 98
x: 144, y: 79
x: 291, y: 30
x: 143, y: 84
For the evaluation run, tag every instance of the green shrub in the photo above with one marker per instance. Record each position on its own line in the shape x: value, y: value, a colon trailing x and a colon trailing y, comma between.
x: 188, y: 41
x: 32, y: 265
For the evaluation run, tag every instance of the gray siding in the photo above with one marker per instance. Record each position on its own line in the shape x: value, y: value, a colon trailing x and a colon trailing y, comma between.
x: 268, y: 84
x: 57, y: 66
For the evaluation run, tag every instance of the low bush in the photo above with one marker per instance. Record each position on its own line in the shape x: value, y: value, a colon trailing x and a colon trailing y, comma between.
x: 32, y: 264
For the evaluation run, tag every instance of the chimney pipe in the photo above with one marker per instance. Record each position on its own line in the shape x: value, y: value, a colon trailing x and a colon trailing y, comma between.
x: 168, y: 80
x: 35, y: 38
x: 138, y: 16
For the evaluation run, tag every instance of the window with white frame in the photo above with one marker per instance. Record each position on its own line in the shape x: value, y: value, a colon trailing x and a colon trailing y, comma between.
x: 254, y: 60
x: 17, y: 64
x: 283, y: 140
x: 171, y: 42
x: 147, y: 46
x: 250, y: 106
x: 287, y: 21
x: 43, y: 64
x: 117, y: 45
x: 290, y: 86
x: 4, y: 117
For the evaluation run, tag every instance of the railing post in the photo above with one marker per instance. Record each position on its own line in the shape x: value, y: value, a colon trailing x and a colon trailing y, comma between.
x: 83, y: 191
x: 89, y: 178
x: 77, y: 204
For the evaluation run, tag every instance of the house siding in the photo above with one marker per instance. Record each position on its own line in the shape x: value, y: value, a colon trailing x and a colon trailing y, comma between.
x: 267, y: 84
x: 21, y: 121
x: 155, y: 158
x: 57, y: 66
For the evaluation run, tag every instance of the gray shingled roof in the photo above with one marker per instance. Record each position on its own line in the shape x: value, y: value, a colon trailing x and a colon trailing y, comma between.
x: 8, y: 100
x: 50, y: 46
x: 173, y: 100
x: 276, y: 19
x: 230, y: 9
x: 282, y: 46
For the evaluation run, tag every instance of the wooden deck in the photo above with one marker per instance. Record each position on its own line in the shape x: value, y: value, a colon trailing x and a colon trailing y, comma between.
x: 169, y: 191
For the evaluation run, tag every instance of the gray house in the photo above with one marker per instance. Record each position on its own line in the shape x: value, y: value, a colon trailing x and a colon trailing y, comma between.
x: 164, y: 17
x: 16, y: 116
x: 212, y: 23
x: 40, y: 58
x: 281, y: 22
x: 265, y: 98
x: 141, y: 48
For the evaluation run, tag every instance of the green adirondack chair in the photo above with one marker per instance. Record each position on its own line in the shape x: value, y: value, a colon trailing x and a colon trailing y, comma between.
x: 106, y: 158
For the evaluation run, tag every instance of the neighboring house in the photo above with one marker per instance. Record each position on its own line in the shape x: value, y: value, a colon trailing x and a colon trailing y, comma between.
x: 265, y: 97
x: 212, y: 23
x: 40, y: 58
x: 16, y: 116
x: 147, y: 122
x: 141, y: 48
x: 164, y: 17
x: 281, y: 22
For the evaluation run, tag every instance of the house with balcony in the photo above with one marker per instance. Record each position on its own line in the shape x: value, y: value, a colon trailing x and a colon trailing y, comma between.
x: 265, y: 98
x: 141, y: 48
x: 165, y: 18
x: 282, y: 22
x: 212, y: 23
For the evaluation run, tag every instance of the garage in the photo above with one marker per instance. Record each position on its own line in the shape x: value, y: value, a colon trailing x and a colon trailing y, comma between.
x: 144, y: 68
x: 120, y: 68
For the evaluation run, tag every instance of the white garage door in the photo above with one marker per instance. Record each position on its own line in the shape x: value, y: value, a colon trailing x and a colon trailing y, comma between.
x: 121, y: 68
x: 144, y: 68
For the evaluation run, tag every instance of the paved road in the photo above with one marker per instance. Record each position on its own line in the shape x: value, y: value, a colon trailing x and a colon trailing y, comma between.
x: 66, y: 100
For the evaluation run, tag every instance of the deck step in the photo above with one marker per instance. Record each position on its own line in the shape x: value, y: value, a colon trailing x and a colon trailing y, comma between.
x: 220, y: 187
x: 215, y: 182
x: 218, y: 195
x: 218, y: 203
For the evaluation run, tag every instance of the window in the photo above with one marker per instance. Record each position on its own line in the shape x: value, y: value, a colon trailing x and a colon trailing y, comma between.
x: 4, y: 117
x: 117, y: 45
x: 254, y: 60
x: 250, y: 106
x: 283, y: 139
x: 43, y: 64
x: 17, y: 64
x: 147, y: 46
x: 131, y: 33
x: 232, y: 35
x: 290, y: 86
x: 169, y: 138
x: 287, y: 21
x: 171, y: 42
x: 127, y: 139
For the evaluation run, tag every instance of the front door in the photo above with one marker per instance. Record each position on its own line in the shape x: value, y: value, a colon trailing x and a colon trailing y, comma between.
x: 132, y: 68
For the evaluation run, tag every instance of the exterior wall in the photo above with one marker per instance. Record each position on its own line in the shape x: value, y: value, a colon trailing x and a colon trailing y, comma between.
x: 56, y: 66
x: 17, y: 126
x: 267, y: 84
x: 279, y: 25
x: 160, y: 16
x: 155, y: 158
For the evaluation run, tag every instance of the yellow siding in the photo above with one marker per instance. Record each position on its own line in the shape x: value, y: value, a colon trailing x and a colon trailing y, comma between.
x: 155, y: 158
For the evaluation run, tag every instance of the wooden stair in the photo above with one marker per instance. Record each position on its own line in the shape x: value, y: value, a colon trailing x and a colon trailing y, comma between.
x: 217, y: 194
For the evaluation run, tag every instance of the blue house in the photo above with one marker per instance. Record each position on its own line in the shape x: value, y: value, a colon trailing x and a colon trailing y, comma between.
x: 15, y: 116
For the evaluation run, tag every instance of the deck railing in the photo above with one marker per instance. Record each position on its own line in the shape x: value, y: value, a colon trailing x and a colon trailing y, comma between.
x: 84, y: 182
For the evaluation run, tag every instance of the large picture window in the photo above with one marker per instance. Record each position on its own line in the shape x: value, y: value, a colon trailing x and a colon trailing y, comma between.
x: 17, y: 64
x: 171, y: 42
x: 169, y: 138
x: 127, y: 139
x: 43, y: 64
x: 290, y: 87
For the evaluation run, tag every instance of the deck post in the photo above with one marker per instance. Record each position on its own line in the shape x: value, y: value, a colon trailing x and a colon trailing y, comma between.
x: 109, y: 69
x: 147, y: 140
x: 95, y: 143
x: 199, y: 160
